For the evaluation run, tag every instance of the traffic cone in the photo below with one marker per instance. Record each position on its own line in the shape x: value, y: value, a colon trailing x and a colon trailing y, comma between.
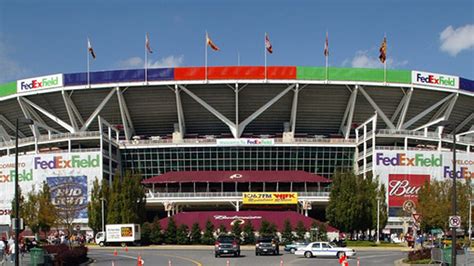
x: 140, y: 261
x: 281, y: 262
x: 228, y: 263
x: 126, y: 249
x: 115, y: 252
x: 113, y: 263
x: 358, y: 261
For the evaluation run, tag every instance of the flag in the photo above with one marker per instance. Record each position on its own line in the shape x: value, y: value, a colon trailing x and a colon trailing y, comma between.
x: 89, y: 47
x: 147, y: 44
x: 326, y: 46
x: 383, y: 50
x: 268, y: 45
x: 211, y: 44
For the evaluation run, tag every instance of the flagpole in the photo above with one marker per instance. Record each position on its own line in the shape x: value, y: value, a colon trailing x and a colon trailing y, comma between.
x: 146, y: 61
x: 88, y: 67
x: 327, y: 57
x: 238, y: 58
x: 265, y: 52
x: 205, y: 51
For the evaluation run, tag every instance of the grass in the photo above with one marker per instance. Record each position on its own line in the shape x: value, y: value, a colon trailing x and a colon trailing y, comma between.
x: 366, y: 243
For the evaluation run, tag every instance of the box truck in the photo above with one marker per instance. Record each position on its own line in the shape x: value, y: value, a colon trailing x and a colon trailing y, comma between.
x: 123, y: 234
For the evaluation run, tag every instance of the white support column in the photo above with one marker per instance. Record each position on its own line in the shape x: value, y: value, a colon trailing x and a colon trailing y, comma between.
x: 262, y: 109
x: 425, y: 112
x: 365, y: 150
x: 11, y: 126
x: 4, y: 134
x: 377, y: 108
x: 70, y: 113
x: 125, y: 115
x: 294, y: 109
x: 464, y: 122
x: 449, y: 109
x: 401, y: 119
x: 54, y: 118
x: 399, y: 106
x: 73, y: 107
x: 34, y: 128
x: 97, y: 110
x: 179, y: 110
x: 236, y: 91
x: 350, y: 115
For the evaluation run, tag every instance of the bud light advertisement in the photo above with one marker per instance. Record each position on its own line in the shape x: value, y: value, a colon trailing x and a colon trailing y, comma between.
x: 69, y: 195
x: 404, y: 187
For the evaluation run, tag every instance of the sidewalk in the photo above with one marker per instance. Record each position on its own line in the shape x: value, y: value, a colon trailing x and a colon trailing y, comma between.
x: 25, y: 260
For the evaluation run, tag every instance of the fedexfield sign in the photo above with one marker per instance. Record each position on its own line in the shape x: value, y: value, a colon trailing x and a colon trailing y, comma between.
x: 433, y: 79
x: 245, y: 142
x: 69, y: 175
x: 39, y: 83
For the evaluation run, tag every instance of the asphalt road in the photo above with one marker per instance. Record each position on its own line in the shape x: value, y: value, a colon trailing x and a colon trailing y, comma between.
x: 190, y: 257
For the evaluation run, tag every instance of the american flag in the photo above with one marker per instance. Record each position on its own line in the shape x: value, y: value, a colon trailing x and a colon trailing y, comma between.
x: 89, y: 47
x: 268, y: 45
x: 147, y: 43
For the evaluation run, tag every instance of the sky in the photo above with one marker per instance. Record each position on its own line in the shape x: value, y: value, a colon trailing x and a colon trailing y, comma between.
x: 50, y: 36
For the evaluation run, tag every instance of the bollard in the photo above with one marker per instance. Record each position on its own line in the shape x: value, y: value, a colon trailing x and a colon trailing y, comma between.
x: 358, y: 261
x: 281, y: 262
x: 169, y: 262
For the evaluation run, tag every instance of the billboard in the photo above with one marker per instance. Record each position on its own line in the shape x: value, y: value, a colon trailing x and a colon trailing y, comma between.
x: 69, y: 175
x: 269, y: 198
x: 434, y: 79
x: 39, y: 83
x: 404, y: 172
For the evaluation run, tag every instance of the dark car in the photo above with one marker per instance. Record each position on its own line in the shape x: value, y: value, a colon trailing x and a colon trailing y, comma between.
x: 226, y: 245
x: 267, y: 245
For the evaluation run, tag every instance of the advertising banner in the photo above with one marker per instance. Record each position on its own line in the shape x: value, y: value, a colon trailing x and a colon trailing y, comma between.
x: 270, y: 198
x: 69, y: 175
x: 404, y: 172
x: 39, y: 83
x: 245, y: 142
x: 433, y: 79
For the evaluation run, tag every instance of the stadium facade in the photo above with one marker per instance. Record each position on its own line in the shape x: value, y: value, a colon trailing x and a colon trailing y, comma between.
x: 212, y: 142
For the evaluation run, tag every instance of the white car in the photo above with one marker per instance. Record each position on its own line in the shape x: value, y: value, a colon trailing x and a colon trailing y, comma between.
x: 324, y: 249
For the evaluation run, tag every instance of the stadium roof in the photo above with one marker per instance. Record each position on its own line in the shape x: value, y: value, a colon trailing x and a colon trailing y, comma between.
x: 225, y: 218
x: 236, y: 176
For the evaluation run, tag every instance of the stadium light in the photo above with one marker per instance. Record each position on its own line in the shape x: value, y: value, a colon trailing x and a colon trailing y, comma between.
x: 445, y: 123
x: 23, y: 121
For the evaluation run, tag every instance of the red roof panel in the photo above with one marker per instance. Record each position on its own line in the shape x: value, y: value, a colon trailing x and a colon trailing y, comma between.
x: 236, y: 176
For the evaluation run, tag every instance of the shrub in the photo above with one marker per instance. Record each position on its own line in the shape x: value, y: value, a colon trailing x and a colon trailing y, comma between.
x: 420, y: 254
x: 64, y: 255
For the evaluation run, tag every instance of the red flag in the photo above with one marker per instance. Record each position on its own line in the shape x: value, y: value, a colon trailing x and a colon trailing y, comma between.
x: 326, y: 46
x: 89, y: 47
x: 147, y: 44
x: 383, y: 50
x: 211, y: 44
x: 268, y: 45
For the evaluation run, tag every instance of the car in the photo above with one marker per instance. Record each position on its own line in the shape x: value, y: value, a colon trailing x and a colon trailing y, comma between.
x: 324, y: 249
x: 295, y: 246
x: 227, y: 245
x: 267, y: 245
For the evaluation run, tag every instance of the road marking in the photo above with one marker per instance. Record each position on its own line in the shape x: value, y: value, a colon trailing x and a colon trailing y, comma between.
x: 160, y: 255
x: 377, y: 256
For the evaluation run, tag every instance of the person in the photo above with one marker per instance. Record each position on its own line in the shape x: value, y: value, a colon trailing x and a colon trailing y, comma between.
x: 12, y: 250
x: 2, y: 251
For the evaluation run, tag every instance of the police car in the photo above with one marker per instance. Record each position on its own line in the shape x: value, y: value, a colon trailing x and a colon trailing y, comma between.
x: 324, y: 249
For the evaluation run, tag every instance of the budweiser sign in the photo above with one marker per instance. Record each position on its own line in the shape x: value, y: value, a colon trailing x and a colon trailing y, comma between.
x: 404, y: 187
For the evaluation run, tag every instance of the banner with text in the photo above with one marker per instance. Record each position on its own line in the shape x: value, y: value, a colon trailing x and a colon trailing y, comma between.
x: 269, y: 198
x: 403, y: 173
x: 69, y: 175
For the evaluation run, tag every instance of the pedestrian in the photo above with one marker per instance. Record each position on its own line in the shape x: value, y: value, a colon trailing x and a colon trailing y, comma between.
x: 2, y: 252
x: 12, y: 250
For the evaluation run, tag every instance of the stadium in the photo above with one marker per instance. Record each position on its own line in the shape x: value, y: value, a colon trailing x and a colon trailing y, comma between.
x: 217, y: 138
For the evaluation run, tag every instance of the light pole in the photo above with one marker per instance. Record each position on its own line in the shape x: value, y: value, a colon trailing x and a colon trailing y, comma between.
x: 103, y: 217
x: 26, y: 121
x: 378, y: 220
x: 471, y: 201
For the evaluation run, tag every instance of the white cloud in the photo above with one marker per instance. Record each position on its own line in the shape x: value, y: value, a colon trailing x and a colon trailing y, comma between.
x: 454, y: 41
x: 363, y: 59
x: 9, y: 69
x: 138, y: 62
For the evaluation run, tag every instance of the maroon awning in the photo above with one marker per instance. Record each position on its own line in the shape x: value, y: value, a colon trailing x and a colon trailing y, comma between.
x: 225, y: 218
x: 236, y: 176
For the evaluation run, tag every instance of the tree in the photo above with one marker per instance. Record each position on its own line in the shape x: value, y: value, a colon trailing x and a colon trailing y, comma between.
x: 249, y: 233
x: 321, y: 233
x: 267, y: 228
x: 67, y: 204
x: 47, y: 212
x: 222, y: 230
x: 30, y: 209
x: 114, y: 203
x: 208, y: 236
x: 182, y: 235
x: 132, y: 202
x: 170, y: 234
x: 146, y: 230
x: 21, y: 203
x: 94, y: 208
x: 195, y: 234
x: 300, y: 230
x: 156, y: 236
x: 287, y: 234
x: 236, y: 229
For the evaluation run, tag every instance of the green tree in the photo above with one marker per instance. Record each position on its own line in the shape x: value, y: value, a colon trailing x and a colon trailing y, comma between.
x: 267, y: 228
x: 236, y: 229
x: 47, y: 212
x: 182, y: 235
x: 300, y: 230
x: 287, y: 234
x: 156, y: 236
x: 321, y: 233
x: 94, y: 207
x: 249, y: 233
x: 29, y: 210
x: 21, y: 203
x: 208, y: 236
x: 133, y: 201
x: 170, y: 234
x: 146, y: 230
x: 195, y: 234
x: 222, y: 230
x: 115, y: 202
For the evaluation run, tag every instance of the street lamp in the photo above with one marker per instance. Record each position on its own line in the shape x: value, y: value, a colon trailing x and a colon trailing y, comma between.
x: 103, y: 223
x: 23, y: 121
x: 444, y: 123
x: 471, y: 202
x: 378, y: 220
